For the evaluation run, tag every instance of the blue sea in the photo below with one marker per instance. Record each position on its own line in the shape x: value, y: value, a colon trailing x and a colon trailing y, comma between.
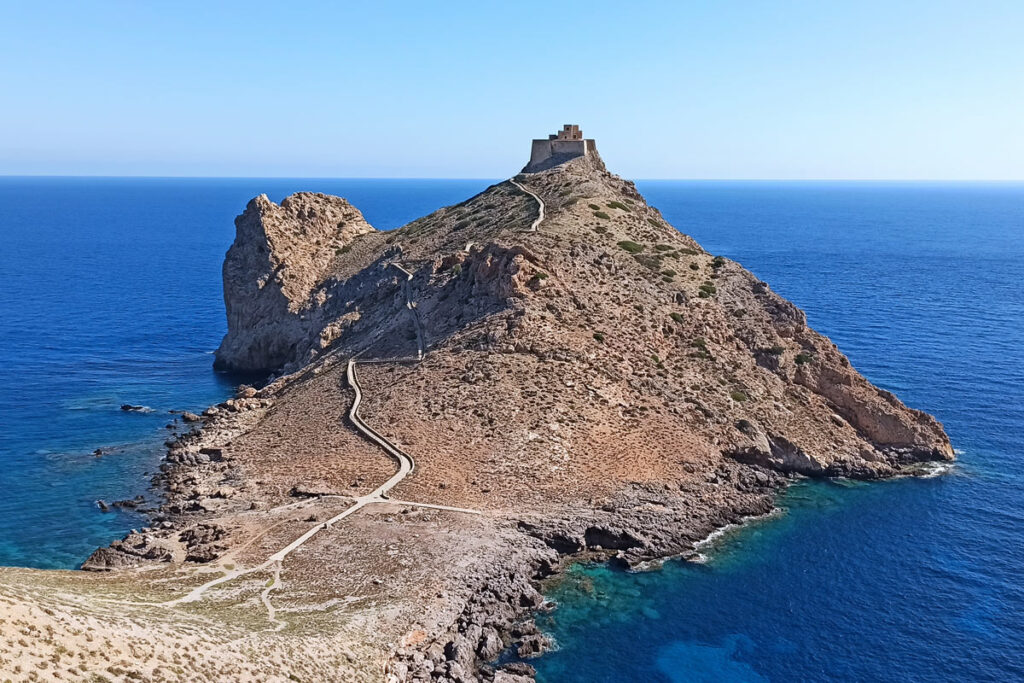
x: 110, y: 293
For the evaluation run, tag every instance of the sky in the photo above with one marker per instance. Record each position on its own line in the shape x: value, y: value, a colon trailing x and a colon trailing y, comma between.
x: 709, y: 89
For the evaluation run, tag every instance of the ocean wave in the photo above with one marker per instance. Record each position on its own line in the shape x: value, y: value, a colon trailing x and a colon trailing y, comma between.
x: 930, y: 470
x: 698, y: 555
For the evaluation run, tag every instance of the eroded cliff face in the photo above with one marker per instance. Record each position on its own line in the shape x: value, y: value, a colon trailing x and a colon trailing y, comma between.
x: 273, y: 273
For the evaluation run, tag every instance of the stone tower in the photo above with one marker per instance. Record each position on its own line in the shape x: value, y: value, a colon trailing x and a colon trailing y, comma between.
x: 558, y: 148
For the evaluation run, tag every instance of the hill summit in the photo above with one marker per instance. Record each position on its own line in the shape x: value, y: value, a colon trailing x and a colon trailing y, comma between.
x: 610, y: 314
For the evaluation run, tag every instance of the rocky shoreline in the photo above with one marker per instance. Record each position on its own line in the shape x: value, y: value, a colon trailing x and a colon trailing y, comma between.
x: 637, y: 529
x: 498, y: 618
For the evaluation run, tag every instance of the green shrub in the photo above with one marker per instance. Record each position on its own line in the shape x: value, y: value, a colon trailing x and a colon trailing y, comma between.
x: 676, y: 317
x: 776, y: 350
x: 343, y: 250
x: 601, y: 214
x: 694, y: 266
x: 668, y: 272
x: 457, y: 269
x: 461, y: 224
x: 599, y: 336
x: 702, y: 348
x: 744, y: 426
x: 600, y: 229
x: 688, y: 251
x: 663, y: 247
x: 628, y: 201
x: 803, y: 358
x: 650, y: 261
x: 703, y: 295
x: 631, y: 247
x: 738, y: 396
x: 654, y: 222
x: 541, y: 275
x: 707, y: 289
x: 618, y: 205
x: 595, y: 207
x: 667, y: 278
x: 717, y: 262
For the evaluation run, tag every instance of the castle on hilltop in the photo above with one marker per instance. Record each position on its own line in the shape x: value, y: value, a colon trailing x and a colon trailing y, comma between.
x: 564, y: 145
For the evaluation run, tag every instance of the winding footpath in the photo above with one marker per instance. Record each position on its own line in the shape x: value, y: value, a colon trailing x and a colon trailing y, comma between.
x: 540, y: 205
x: 406, y: 465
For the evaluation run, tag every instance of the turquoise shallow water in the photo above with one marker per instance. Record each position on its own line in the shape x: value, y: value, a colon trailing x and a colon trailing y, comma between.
x: 111, y: 294
x: 908, y: 580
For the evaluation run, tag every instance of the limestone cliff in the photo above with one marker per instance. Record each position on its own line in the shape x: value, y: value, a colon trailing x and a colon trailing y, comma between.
x: 272, y: 273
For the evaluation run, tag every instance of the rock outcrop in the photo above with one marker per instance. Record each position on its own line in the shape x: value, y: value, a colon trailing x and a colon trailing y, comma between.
x: 273, y: 273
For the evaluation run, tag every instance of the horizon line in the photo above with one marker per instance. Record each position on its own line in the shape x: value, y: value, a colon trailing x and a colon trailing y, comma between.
x: 686, y: 179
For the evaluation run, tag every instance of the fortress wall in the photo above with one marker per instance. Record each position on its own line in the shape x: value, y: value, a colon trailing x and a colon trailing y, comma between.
x: 551, y: 152
x: 540, y: 151
x: 571, y: 147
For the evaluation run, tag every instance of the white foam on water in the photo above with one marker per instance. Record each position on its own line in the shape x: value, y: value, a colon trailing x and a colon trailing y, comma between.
x: 930, y: 470
x: 701, y: 557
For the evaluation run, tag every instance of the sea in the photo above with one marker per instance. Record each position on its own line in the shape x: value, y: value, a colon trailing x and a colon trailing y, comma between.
x: 110, y: 294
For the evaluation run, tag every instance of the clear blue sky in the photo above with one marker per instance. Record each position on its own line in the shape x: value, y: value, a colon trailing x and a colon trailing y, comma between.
x: 683, y: 89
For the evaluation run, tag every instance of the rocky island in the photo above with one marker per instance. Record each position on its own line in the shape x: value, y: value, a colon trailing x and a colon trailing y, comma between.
x: 545, y: 372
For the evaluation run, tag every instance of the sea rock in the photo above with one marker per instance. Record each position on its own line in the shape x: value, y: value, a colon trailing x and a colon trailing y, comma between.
x: 280, y: 256
x: 131, y: 551
x: 490, y: 644
x: 533, y: 646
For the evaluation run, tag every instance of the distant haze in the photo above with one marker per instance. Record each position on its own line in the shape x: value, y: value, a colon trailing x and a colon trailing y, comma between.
x: 758, y: 89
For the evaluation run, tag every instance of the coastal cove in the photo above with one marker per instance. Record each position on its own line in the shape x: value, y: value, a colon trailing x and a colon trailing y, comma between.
x: 911, y: 579
x: 917, y: 283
